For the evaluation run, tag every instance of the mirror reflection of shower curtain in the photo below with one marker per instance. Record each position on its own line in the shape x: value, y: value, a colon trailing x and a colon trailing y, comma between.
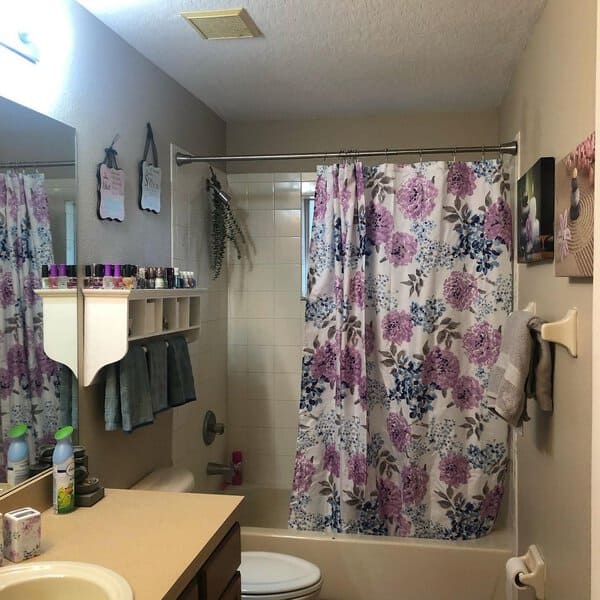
x: 409, y: 284
x: 29, y: 382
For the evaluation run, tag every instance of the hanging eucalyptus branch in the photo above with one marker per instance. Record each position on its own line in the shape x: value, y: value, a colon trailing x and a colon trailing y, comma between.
x: 224, y: 225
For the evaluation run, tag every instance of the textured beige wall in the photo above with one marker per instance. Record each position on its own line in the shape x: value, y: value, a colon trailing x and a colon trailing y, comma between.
x: 92, y: 80
x: 551, y: 102
x: 89, y: 78
x: 365, y: 133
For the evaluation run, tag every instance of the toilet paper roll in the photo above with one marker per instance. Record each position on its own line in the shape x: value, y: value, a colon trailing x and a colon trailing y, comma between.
x: 514, y: 567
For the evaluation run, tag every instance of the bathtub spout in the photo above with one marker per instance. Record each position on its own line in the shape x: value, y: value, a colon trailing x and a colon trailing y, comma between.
x: 213, y: 468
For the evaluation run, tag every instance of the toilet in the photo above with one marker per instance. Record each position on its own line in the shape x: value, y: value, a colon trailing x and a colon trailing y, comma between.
x: 265, y: 575
x: 274, y: 576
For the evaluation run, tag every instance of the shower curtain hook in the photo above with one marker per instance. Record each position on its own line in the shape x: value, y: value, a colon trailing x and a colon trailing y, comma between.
x: 482, y: 153
x: 420, y: 155
x: 454, y: 156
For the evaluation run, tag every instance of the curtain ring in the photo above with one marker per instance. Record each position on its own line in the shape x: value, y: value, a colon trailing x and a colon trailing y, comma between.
x: 454, y: 156
x: 482, y: 153
x: 420, y: 155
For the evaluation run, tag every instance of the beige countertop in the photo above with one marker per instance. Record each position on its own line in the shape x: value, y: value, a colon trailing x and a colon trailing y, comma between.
x: 156, y: 540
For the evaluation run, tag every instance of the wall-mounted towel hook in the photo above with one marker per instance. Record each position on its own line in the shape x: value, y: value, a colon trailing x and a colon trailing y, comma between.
x: 563, y: 332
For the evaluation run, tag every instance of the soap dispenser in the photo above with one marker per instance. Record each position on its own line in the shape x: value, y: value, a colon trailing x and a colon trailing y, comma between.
x: 63, y: 466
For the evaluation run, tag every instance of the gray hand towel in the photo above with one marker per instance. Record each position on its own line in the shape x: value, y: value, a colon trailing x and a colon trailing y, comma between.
x: 112, y: 399
x: 134, y: 388
x: 157, y: 368
x: 540, y: 382
x: 179, y: 372
x: 506, y: 387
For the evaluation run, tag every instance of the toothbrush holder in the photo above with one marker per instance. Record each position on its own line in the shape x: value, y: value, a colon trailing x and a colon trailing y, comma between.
x: 22, y: 534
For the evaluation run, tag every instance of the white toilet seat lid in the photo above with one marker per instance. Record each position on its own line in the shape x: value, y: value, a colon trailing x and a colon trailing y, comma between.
x: 273, y: 573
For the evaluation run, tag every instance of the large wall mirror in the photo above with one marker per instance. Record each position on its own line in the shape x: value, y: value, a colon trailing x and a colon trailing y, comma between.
x: 38, y: 194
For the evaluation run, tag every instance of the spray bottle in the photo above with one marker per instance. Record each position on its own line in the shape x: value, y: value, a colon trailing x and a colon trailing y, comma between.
x: 17, y: 464
x: 63, y: 466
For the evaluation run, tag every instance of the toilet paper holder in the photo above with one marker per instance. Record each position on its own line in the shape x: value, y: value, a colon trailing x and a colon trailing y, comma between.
x: 536, y: 576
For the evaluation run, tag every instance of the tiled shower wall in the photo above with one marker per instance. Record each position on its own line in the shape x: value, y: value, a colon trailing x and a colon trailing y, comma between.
x: 265, y: 331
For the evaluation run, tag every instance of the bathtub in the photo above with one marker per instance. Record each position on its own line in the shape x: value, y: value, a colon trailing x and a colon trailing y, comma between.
x: 359, y: 567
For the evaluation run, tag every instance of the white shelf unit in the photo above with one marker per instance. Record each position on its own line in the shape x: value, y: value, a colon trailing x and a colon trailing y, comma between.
x: 113, y: 318
x: 59, y: 310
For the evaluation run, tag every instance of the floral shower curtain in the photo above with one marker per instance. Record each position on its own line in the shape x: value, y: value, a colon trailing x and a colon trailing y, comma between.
x: 409, y: 284
x: 28, y: 378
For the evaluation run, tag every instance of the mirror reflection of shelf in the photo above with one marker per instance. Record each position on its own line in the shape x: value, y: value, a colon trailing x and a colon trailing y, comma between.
x: 59, y: 308
x: 113, y: 318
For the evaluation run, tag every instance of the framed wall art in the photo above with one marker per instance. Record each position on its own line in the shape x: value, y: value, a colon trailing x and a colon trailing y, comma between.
x: 535, y: 211
x: 574, y: 215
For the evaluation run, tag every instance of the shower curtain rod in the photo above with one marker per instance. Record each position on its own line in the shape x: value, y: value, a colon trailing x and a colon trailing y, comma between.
x: 33, y: 165
x: 508, y: 148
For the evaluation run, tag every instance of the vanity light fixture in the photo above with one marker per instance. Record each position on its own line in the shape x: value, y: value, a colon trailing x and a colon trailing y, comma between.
x: 225, y: 24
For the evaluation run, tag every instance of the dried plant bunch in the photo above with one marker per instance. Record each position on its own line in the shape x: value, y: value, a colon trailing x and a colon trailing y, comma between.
x: 224, y: 226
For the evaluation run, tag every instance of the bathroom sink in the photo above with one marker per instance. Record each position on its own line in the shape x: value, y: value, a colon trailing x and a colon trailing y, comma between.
x: 57, y: 580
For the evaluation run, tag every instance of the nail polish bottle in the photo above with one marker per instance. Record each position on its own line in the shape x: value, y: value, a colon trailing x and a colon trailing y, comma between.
x: 45, y: 277
x: 107, y: 280
x: 87, y: 278
x: 150, y: 278
x: 98, y: 278
x: 62, y: 276
x: 117, y: 279
x: 129, y: 273
x: 141, y: 278
x: 159, y: 282
x: 53, y: 279
x: 72, y: 277
x: 170, y: 272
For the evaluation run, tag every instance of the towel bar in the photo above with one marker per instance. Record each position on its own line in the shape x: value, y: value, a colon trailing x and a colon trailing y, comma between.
x: 563, y: 332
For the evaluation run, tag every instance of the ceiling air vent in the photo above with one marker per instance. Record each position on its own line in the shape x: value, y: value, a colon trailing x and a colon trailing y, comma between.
x: 227, y: 24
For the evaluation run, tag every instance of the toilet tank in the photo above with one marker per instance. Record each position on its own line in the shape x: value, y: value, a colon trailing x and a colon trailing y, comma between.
x: 167, y: 479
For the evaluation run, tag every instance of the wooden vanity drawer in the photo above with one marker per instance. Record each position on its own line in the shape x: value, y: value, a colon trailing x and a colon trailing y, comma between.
x: 234, y: 590
x: 216, y: 575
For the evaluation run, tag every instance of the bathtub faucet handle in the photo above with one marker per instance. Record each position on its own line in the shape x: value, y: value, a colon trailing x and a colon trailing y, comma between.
x: 211, y: 428
x: 217, y: 428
